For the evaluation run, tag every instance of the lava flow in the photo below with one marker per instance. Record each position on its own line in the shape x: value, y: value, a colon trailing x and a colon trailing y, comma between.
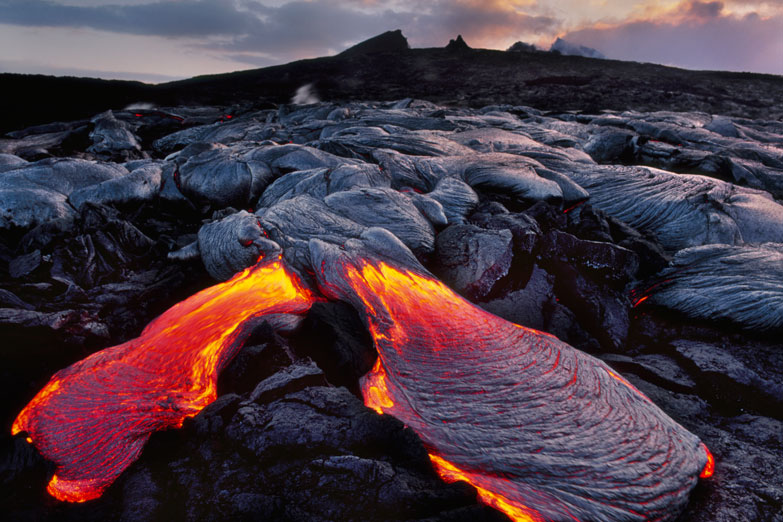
x: 93, y: 418
x: 543, y: 431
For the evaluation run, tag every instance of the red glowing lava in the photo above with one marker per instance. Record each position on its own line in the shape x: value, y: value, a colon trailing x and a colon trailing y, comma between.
x: 542, y: 431
x: 709, y: 467
x: 93, y: 418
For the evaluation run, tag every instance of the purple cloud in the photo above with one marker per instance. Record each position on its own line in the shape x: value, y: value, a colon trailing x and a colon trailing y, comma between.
x: 702, y: 39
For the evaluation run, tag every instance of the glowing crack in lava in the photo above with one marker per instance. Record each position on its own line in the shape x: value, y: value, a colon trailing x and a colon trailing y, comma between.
x: 93, y: 418
x: 542, y: 430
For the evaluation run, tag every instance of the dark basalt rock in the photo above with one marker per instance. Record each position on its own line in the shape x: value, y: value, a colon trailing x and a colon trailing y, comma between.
x: 221, y: 178
x: 333, y: 335
x: 24, y: 265
x: 98, y: 246
x: 524, y: 228
x: 656, y: 368
x: 113, y: 140
x: 36, y: 193
x: 143, y: 184
x: 75, y: 322
x: 726, y: 496
x: 264, y: 354
x: 600, y: 310
x: 297, y: 376
x: 457, y: 45
x: 456, y: 198
x: 234, y: 243
x: 531, y: 306
x: 386, y: 208
x: 733, y: 386
x: 595, y: 259
x: 388, y: 42
x: 472, y: 260
x: 316, y: 453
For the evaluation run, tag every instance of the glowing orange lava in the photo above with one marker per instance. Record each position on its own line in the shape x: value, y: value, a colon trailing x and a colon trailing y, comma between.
x: 376, y: 394
x: 396, y: 289
x: 93, y: 418
x: 709, y: 468
x: 541, y: 430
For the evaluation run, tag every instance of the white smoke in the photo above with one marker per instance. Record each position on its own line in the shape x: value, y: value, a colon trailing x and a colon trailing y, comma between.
x: 139, y: 106
x: 305, y: 95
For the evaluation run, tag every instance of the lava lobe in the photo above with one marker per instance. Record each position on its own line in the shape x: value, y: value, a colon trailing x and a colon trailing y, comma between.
x: 542, y: 430
x: 93, y: 418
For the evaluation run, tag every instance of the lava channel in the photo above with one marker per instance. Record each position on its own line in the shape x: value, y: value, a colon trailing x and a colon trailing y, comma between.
x: 93, y: 418
x: 543, y: 431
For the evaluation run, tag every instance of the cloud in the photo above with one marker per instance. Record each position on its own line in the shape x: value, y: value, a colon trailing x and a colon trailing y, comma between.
x: 716, y: 34
x: 261, y: 33
x: 705, y: 10
x: 306, y: 29
x: 695, y: 35
x: 482, y: 23
x: 172, y: 19
x: 25, y: 67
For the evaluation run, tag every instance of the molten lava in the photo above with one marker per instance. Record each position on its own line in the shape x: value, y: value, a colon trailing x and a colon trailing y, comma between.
x: 93, y: 418
x: 709, y: 467
x: 543, y: 431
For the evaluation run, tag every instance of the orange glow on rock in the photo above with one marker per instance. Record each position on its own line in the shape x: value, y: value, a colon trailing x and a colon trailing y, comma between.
x: 709, y: 468
x: 630, y: 386
x: 451, y: 473
x: 376, y: 394
x: 93, y: 418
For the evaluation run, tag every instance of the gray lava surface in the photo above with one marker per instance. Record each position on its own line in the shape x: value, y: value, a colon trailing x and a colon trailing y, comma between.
x: 652, y: 240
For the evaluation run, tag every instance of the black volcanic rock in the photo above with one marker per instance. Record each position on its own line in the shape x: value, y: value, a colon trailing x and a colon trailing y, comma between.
x: 595, y: 259
x: 457, y: 45
x: 388, y: 42
x: 315, y: 453
x: 734, y: 386
x: 601, y: 202
x: 112, y: 139
x: 333, y: 335
x: 472, y: 260
x: 531, y: 305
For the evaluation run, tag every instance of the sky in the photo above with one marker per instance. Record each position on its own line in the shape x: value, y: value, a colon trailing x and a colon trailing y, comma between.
x: 160, y: 40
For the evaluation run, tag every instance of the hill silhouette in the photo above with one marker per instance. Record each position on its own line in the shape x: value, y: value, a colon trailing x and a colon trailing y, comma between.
x: 383, y: 68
